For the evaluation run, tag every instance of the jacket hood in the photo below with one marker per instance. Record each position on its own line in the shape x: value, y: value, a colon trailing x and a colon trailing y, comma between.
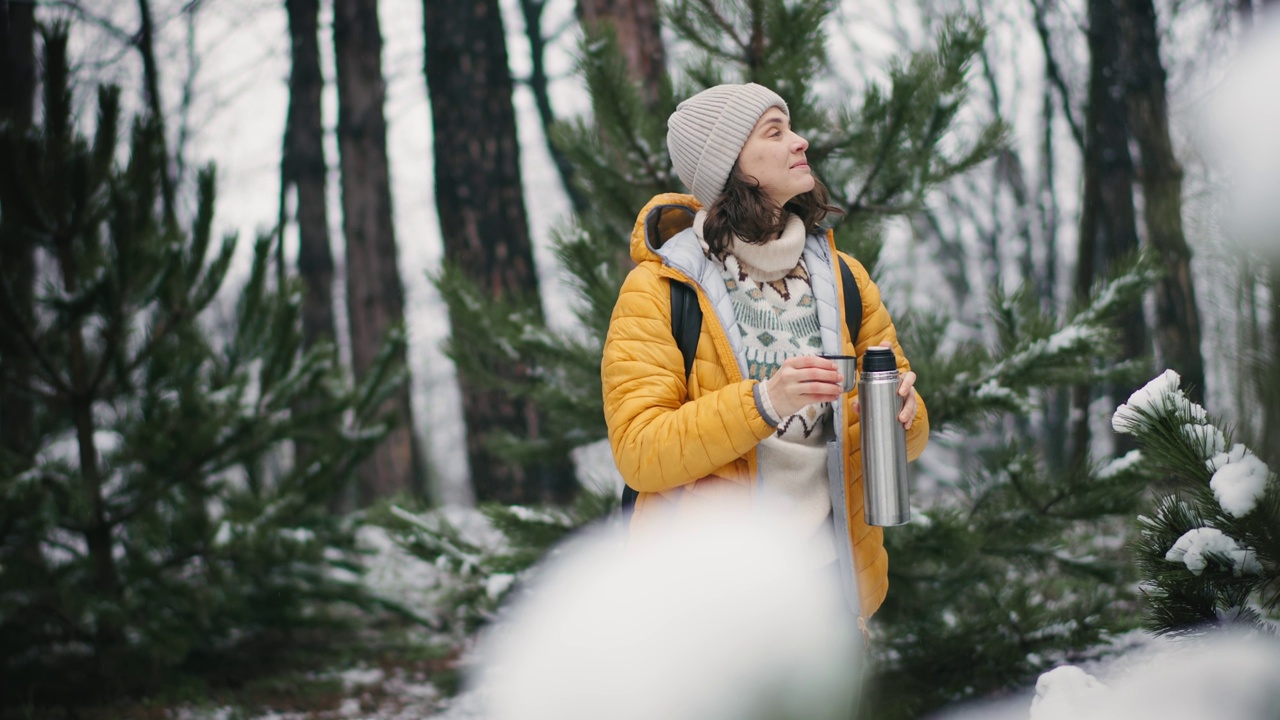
x: 661, y: 219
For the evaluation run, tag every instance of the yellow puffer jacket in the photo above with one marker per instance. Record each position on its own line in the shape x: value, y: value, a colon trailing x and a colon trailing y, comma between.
x: 689, y: 445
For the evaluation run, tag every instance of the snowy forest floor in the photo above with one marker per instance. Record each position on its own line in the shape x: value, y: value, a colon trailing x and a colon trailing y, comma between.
x: 386, y: 667
x: 397, y: 671
x: 392, y: 670
x: 376, y: 666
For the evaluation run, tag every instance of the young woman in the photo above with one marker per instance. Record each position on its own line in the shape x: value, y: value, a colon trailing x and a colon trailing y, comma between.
x: 760, y: 415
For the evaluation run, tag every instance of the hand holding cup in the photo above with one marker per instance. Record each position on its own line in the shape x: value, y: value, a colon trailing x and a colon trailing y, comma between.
x: 847, y: 366
x: 803, y: 380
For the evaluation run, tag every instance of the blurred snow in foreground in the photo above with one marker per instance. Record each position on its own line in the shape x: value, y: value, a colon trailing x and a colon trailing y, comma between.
x: 729, y: 622
x: 1217, y: 677
x: 723, y: 621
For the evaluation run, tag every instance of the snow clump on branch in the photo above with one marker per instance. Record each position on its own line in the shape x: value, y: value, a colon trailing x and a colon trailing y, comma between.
x: 1239, y: 480
x: 1197, y: 545
x: 1160, y: 394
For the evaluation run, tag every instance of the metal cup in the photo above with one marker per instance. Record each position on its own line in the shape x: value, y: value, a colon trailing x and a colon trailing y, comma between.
x: 848, y: 367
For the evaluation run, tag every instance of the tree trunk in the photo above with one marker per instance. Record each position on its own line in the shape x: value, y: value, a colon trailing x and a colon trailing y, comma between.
x: 303, y: 167
x: 80, y: 399
x: 1177, y: 330
x: 18, y: 70
x: 375, y: 297
x: 482, y: 215
x: 17, y: 259
x: 1108, y: 229
x: 1054, y: 430
x: 635, y: 25
x: 639, y: 38
x: 1267, y: 377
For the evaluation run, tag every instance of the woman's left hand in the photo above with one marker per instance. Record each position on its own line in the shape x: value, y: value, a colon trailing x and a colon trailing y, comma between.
x: 909, y: 404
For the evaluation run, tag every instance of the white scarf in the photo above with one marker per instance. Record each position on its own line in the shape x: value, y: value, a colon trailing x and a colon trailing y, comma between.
x: 764, y: 261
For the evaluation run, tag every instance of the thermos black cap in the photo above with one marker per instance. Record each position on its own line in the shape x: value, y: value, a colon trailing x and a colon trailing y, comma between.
x: 879, y: 359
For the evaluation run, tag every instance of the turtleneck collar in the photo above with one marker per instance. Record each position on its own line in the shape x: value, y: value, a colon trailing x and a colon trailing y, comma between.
x: 768, y: 261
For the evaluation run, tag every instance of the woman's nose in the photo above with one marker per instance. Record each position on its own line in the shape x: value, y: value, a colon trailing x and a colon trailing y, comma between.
x: 800, y: 144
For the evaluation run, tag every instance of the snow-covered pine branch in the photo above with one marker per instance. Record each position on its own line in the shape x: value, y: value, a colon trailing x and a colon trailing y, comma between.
x: 1210, y: 553
x: 1036, y: 352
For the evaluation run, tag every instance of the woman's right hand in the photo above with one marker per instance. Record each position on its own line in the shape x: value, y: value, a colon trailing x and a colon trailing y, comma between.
x: 803, y: 380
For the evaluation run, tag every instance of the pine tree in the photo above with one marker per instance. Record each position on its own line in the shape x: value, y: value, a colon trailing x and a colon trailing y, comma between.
x: 480, y: 567
x: 1210, y: 551
x: 1017, y: 564
x: 157, y: 518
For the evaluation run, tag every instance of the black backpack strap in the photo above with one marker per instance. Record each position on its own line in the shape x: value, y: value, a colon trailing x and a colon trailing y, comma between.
x: 852, y: 301
x: 686, y: 322
x: 686, y: 326
x: 628, y: 500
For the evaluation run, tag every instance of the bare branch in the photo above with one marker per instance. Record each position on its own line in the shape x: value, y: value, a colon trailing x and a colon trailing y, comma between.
x: 99, y: 21
x: 151, y: 78
x: 1054, y: 73
x: 714, y: 13
x: 29, y: 339
x: 188, y: 89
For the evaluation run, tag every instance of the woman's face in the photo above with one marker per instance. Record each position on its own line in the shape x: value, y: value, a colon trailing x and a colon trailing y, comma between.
x: 774, y: 157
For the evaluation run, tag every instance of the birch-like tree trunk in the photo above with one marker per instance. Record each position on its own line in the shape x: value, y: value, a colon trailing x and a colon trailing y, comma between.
x: 375, y: 295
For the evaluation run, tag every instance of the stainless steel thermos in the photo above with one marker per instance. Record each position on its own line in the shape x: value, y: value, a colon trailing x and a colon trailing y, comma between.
x: 884, y: 441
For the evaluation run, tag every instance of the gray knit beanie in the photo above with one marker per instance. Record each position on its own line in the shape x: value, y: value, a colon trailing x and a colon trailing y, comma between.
x: 707, y: 131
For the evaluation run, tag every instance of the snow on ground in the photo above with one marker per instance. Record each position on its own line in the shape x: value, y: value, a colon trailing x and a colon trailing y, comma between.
x: 396, y: 575
x: 1066, y: 693
x: 371, y: 694
x: 561, y: 653
x: 1221, y: 677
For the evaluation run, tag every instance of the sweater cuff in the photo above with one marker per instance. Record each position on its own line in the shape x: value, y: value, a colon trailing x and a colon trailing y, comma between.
x: 764, y: 405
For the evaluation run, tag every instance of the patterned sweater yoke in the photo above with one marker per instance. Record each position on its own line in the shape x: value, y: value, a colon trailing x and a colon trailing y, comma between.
x: 777, y: 314
x: 778, y: 318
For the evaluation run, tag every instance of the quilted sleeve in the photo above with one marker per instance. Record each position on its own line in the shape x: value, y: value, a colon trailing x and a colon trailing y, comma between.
x: 877, y: 327
x: 659, y: 440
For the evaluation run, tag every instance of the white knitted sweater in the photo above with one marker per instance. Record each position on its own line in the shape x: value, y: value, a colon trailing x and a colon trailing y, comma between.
x: 774, y: 305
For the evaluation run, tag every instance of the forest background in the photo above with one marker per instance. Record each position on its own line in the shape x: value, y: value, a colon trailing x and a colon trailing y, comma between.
x: 369, y: 146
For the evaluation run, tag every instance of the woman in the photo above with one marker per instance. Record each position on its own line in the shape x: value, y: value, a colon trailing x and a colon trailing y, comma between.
x: 759, y: 415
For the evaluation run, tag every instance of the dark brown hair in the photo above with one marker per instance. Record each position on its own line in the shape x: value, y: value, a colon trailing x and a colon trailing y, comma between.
x: 743, y: 209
